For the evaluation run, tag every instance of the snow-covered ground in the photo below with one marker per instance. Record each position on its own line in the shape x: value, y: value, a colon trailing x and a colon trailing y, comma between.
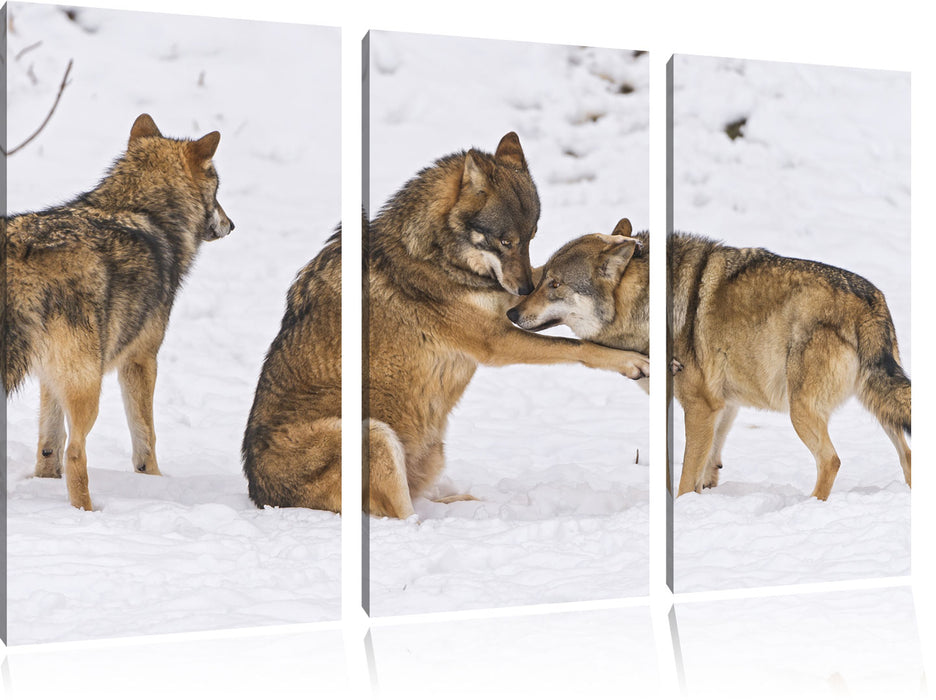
x: 187, y: 551
x: 550, y: 452
x: 822, y: 172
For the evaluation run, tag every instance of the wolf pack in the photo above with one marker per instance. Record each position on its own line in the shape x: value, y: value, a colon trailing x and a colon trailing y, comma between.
x: 449, y: 285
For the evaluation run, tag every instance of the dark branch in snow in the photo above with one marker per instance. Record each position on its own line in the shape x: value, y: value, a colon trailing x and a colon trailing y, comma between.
x: 48, y: 116
x: 28, y: 49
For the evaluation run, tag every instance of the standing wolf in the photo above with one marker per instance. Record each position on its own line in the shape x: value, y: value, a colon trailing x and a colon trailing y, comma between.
x: 89, y: 287
x: 445, y: 258
x: 749, y: 328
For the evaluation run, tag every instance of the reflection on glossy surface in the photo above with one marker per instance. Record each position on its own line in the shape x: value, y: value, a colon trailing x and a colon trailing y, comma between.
x: 593, y: 654
x: 255, y: 664
x: 840, y: 644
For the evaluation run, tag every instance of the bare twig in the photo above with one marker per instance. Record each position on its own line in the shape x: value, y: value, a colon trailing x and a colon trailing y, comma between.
x: 28, y: 49
x: 48, y: 116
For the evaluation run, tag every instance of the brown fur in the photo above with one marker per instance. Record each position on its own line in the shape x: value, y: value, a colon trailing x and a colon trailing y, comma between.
x: 597, y: 285
x: 749, y: 328
x: 444, y: 258
x: 434, y: 315
x: 292, y: 444
x: 90, y: 285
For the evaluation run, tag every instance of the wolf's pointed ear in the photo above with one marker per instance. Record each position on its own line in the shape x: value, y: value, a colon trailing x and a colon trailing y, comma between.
x: 623, y: 228
x: 509, y: 152
x: 203, y: 149
x: 615, y: 257
x: 143, y: 126
x: 473, y: 175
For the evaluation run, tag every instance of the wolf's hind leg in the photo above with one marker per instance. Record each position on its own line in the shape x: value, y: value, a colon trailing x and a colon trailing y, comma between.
x: 137, y: 377
x: 813, y: 430
x: 80, y: 399
x: 820, y: 375
x: 455, y: 498
x: 903, y: 450
x: 296, y: 463
x: 385, y: 483
x: 322, y: 477
x: 51, y: 450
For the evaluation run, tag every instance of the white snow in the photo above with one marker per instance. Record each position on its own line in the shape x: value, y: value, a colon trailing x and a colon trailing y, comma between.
x: 187, y: 551
x: 550, y: 452
x: 821, y: 172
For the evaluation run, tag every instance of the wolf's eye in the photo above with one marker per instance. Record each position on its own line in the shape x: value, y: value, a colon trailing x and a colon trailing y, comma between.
x: 554, y: 284
x: 504, y: 242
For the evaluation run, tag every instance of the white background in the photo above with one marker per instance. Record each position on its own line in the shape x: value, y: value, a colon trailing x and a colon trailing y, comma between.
x: 895, y: 36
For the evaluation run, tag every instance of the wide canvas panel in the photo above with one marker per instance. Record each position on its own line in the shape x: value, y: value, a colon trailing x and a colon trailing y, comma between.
x: 187, y: 550
x: 554, y: 456
x: 810, y: 162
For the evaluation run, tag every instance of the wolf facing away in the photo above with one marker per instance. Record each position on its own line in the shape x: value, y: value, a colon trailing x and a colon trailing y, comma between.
x: 746, y: 327
x: 444, y: 259
x: 90, y: 285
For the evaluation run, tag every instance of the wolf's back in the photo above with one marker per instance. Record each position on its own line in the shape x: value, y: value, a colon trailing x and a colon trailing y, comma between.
x: 298, y: 371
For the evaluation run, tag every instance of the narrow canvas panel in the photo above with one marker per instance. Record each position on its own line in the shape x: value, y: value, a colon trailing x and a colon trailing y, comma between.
x: 813, y: 164
x: 502, y: 471
x: 187, y: 550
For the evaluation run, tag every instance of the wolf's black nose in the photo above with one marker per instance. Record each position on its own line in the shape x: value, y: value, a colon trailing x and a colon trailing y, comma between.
x: 525, y: 289
x: 232, y: 227
x: 513, y: 314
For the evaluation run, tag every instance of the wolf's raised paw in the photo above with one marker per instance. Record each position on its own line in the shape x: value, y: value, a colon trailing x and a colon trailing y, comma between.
x: 638, y: 369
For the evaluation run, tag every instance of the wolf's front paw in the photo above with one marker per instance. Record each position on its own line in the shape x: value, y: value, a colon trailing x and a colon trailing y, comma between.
x: 635, y: 365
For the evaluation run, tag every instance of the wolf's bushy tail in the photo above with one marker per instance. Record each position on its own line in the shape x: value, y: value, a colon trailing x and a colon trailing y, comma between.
x: 16, y: 336
x: 16, y: 349
x: 883, y: 387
